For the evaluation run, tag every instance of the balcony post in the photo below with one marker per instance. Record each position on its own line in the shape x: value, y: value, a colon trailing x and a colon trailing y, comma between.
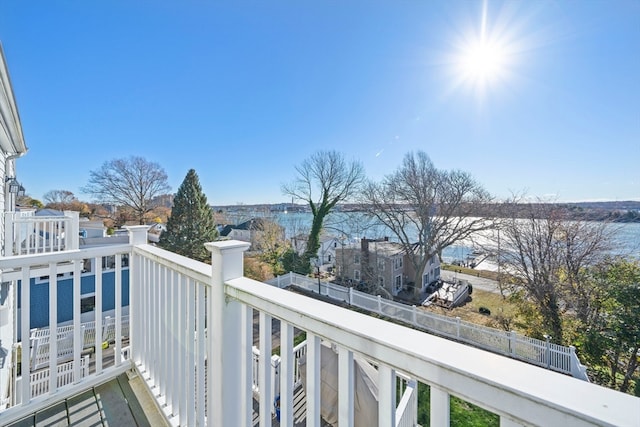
x: 386, y: 396
x: 226, y: 392
x: 72, y: 231
x: 440, y: 408
x: 346, y: 386
x: 137, y: 234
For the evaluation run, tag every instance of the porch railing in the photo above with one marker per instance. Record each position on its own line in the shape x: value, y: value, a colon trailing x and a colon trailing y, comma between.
x: 30, y: 234
x: 186, y: 315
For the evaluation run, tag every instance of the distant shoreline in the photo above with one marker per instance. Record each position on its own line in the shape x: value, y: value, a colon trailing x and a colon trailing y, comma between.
x: 624, y: 212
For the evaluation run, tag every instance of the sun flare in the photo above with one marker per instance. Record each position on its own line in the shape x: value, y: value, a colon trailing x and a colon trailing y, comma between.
x: 482, y: 62
x: 483, y: 56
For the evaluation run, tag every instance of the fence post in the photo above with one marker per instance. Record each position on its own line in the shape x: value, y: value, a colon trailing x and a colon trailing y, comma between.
x: 512, y: 342
x: 414, y: 315
x: 275, y: 382
x: 547, y: 352
x: 457, y: 327
x: 578, y: 370
x: 226, y: 395
x: 379, y: 304
x: 350, y: 296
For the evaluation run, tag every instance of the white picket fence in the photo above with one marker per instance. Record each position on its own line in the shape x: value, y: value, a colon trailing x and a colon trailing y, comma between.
x: 508, y: 343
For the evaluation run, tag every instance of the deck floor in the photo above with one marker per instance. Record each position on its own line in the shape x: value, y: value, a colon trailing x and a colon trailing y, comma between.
x: 116, y: 403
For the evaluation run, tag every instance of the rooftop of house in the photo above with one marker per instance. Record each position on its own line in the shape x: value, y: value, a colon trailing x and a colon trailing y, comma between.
x: 379, y: 246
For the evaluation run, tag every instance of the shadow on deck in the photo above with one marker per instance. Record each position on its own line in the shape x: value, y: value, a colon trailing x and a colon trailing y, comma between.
x: 122, y: 401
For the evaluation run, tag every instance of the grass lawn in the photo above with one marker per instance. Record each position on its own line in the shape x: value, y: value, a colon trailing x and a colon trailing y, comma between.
x: 463, y: 414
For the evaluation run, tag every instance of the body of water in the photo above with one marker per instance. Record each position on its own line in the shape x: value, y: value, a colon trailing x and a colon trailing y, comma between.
x: 353, y: 226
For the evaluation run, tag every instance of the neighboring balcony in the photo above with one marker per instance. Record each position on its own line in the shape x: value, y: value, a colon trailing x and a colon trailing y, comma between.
x: 191, y: 339
x: 26, y: 233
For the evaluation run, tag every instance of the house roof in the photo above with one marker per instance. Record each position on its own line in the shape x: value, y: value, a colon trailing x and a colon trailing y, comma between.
x: 252, y: 224
x: 385, y: 248
x: 48, y: 212
x: 226, y: 230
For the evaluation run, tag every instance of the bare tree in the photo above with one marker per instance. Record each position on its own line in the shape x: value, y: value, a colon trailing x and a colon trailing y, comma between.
x: 131, y: 183
x: 546, y: 255
x: 64, y: 200
x: 324, y: 180
x: 58, y: 197
x: 426, y: 208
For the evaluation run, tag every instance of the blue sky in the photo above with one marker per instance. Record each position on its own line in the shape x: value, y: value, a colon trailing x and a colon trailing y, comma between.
x: 534, y: 96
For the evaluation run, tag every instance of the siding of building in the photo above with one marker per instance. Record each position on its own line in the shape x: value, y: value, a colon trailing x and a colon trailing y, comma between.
x: 39, y: 312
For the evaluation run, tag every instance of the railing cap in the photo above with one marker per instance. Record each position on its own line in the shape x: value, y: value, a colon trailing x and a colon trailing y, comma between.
x: 227, y: 245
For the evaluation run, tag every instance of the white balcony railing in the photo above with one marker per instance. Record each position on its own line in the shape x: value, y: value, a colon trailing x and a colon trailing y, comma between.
x: 186, y: 315
x: 30, y: 234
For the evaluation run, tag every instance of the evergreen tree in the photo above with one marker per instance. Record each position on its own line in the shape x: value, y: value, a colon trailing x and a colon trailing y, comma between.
x: 191, y: 223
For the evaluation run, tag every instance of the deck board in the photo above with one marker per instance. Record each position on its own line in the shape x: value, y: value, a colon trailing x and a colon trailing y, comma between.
x: 54, y: 416
x: 83, y: 410
x: 114, y: 405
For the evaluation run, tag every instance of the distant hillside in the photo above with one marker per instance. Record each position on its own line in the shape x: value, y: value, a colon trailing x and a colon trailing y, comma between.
x: 625, y: 211
x: 610, y: 206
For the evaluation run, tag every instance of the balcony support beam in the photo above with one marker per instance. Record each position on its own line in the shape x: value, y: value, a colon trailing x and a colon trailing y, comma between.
x: 386, y: 396
x: 25, y: 325
x: 440, y: 408
x: 345, y: 387
x: 313, y: 390
x: 53, y: 328
x: 225, y: 343
x: 286, y: 374
x: 507, y: 422
x: 265, y: 370
x: 246, y: 355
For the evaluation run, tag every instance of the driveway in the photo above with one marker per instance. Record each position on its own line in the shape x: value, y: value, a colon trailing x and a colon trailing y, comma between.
x: 477, y: 282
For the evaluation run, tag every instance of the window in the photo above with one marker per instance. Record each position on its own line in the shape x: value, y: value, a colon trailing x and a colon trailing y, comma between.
x: 87, y: 303
x: 335, y: 244
x: 356, y: 259
x: 108, y: 262
x: 356, y: 274
x: 329, y: 257
x: 397, y: 285
x: 397, y: 263
x: 380, y: 264
x: 381, y: 281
